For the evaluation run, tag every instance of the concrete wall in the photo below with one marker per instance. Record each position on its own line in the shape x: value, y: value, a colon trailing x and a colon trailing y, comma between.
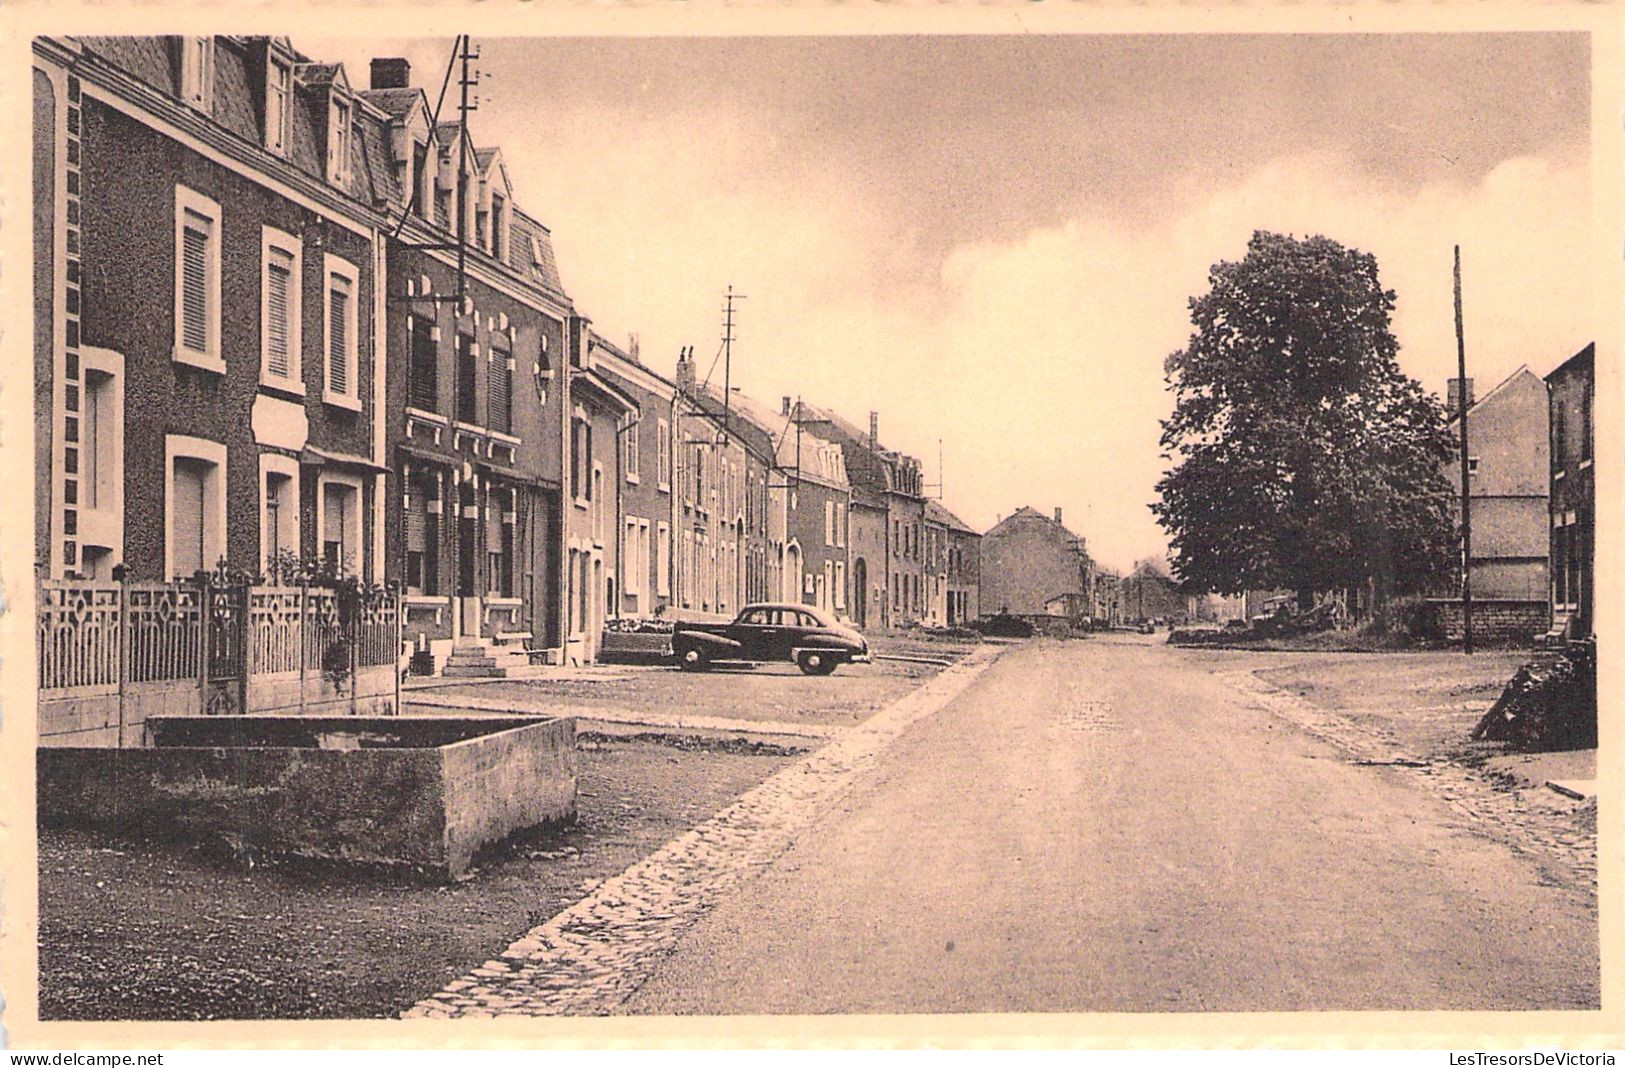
x: 304, y: 787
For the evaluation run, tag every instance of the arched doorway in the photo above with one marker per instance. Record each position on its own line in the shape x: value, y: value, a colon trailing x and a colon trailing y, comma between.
x: 860, y: 592
x: 792, y: 573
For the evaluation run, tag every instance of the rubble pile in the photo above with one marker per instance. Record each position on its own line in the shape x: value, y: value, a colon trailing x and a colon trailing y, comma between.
x: 1551, y: 703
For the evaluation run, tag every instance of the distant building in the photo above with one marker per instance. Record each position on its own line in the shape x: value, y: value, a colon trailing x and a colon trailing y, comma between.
x: 1029, y: 559
x: 1507, y: 470
x: 1150, y: 594
x: 1572, y: 503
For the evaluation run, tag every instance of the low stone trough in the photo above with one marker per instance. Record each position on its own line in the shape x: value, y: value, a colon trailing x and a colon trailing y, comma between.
x: 417, y: 793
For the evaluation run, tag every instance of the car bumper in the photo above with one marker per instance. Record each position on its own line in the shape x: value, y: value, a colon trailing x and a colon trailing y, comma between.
x: 862, y: 658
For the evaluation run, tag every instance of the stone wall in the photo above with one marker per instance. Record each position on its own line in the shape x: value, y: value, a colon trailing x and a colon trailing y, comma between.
x: 1494, y: 621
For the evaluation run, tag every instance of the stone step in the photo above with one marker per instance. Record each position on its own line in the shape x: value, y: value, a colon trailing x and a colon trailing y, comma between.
x: 507, y: 671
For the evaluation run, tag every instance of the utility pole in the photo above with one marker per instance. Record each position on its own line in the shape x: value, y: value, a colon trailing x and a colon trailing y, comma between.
x: 1466, y: 489
x: 727, y: 354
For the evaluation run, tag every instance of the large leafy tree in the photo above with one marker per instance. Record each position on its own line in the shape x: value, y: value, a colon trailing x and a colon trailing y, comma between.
x: 1302, y: 457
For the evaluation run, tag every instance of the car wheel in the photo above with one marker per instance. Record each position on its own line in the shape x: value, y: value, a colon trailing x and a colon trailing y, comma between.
x: 815, y: 662
x: 692, y: 659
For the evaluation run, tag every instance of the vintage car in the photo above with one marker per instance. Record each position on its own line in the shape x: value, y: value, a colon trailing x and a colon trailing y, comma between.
x: 809, y: 637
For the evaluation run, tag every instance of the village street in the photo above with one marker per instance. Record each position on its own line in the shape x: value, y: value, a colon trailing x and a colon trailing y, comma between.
x: 1106, y: 825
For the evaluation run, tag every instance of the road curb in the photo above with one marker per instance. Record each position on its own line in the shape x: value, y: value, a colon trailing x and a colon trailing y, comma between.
x: 593, y: 954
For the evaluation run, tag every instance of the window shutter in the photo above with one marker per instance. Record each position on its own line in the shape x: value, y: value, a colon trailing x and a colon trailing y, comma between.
x: 501, y: 389
x: 425, y: 367
x: 186, y: 517
x: 278, y: 274
x: 195, y: 283
x: 338, y: 361
x: 417, y: 521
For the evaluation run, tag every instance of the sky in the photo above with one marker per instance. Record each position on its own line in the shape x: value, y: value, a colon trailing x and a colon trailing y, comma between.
x: 992, y: 240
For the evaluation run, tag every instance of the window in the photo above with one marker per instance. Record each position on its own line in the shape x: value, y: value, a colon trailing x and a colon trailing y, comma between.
x: 423, y: 372
x: 841, y: 523
x: 197, y: 280
x: 194, y: 506
x: 1472, y: 467
x: 339, y: 521
x: 338, y: 140
x: 499, y: 538
x: 342, y: 298
x: 278, y: 96
x: 423, y: 190
x: 499, y: 227
x: 632, y: 457
x: 197, y: 71
x: 597, y: 496
x: 100, y: 444
x: 663, y: 559
x: 631, y: 584
x: 468, y: 353
x: 840, y: 584
x: 499, y: 383
x: 829, y: 522
x: 581, y: 459
x: 422, y: 560
x: 279, y: 509
x: 279, y: 310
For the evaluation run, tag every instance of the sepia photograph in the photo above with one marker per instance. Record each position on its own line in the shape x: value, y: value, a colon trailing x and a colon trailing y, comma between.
x: 809, y: 524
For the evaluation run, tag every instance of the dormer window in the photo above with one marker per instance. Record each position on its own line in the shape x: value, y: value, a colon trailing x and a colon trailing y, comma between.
x: 338, y: 140
x: 278, y: 105
x: 499, y: 226
x: 197, y: 71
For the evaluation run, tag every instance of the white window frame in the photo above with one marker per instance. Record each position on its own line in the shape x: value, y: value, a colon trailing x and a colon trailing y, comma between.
x: 840, y: 585
x: 179, y: 447
x: 197, y: 72
x: 598, y: 503
x: 272, y: 239
x: 662, y: 558
x: 631, y: 585
x: 272, y: 463
x: 102, y: 526
x: 353, y: 482
x: 335, y: 265
x: 280, y: 123
x: 632, y: 454
x: 209, y: 359
x: 829, y: 523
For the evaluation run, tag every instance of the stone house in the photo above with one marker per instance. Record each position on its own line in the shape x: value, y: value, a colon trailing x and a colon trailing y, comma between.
x: 1027, y: 560
x: 953, y: 562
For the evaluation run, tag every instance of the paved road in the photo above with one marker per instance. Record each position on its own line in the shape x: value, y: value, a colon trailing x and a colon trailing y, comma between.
x: 1105, y: 826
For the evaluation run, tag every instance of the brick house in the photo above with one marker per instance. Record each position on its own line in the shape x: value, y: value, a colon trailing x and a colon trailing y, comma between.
x: 1572, y: 391
x: 1028, y: 559
x: 953, y: 561
x: 810, y: 487
x: 207, y: 263
x: 1147, y: 593
x: 644, y: 490
x: 887, y: 529
x: 731, y: 505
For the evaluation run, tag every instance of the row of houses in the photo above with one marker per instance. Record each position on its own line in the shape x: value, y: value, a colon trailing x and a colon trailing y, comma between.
x: 293, y: 325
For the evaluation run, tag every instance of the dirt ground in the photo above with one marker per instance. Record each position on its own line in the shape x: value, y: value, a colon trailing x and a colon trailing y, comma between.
x: 777, y: 692
x: 1428, y: 701
x: 155, y: 931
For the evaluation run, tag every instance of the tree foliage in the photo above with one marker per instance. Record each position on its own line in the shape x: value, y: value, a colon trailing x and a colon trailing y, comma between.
x: 1302, y: 456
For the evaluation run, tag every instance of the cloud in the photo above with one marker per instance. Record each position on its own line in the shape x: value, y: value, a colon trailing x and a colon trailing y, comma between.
x: 1037, y: 360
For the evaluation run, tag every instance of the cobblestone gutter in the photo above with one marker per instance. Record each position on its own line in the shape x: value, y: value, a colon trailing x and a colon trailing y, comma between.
x: 587, y: 959
x: 1536, y: 823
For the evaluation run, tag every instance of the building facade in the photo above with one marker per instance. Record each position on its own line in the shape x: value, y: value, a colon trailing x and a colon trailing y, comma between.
x: 1572, y: 516
x: 1028, y: 559
x: 208, y: 272
x: 644, y: 491
x: 953, y: 564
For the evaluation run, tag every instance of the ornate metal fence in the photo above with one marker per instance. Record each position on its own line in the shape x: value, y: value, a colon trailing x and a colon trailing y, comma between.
x: 100, y: 637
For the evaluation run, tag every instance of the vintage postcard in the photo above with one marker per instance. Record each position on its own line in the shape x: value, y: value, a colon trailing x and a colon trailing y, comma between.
x: 744, y: 526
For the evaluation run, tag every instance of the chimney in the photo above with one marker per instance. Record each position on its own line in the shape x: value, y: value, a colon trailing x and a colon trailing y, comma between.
x: 685, y: 372
x: 632, y: 347
x: 393, y: 73
x: 1057, y: 517
x: 786, y: 405
x: 1454, y: 396
x: 874, y: 430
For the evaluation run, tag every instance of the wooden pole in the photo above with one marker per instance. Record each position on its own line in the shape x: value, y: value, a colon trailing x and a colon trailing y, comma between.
x: 1466, y: 488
